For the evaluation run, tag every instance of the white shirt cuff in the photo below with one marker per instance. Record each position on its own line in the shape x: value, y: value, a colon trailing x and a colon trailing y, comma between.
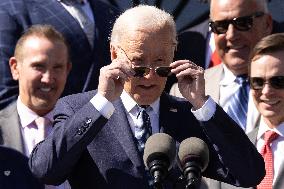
x: 206, y: 111
x: 104, y: 106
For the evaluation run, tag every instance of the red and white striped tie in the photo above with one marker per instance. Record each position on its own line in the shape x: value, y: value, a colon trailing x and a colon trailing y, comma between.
x: 267, y: 155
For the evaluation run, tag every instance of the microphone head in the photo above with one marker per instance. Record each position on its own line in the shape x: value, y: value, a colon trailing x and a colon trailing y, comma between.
x: 159, y: 145
x: 194, y: 148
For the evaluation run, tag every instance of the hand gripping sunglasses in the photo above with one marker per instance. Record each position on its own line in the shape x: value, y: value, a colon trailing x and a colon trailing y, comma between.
x: 243, y: 23
x: 257, y: 83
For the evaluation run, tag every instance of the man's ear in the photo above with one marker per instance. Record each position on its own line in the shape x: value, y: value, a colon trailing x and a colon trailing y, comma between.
x: 113, y: 53
x: 269, y: 24
x: 14, y: 67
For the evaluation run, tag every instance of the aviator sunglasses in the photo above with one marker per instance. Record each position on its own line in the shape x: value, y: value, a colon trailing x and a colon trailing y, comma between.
x: 141, y: 71
x: 257, y: 83
x: 243, y: 23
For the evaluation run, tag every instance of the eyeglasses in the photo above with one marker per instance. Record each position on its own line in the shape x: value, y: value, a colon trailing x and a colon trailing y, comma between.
x: 141, y: 71
x: 243, y: 23
x: 257, y: 83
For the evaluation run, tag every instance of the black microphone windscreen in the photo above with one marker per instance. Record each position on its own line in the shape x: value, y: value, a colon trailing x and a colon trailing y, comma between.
x: 194, y: 148
x: 160, y: 143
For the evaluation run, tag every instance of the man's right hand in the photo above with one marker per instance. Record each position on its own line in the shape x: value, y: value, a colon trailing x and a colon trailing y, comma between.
x: 112, y: 78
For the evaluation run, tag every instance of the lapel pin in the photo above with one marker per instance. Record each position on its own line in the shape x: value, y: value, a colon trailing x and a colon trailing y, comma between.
x: 173, y: 110
x: 7, y: 173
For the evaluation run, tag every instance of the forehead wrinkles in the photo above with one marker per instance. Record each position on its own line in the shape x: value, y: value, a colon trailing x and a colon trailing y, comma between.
x: 142, y: 40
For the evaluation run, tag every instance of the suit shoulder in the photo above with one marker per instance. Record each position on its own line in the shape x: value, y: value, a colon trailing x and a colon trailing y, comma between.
x: 216, y: 70
x: 178, y: 102
x: 77, y: 99
x: 10, y: 109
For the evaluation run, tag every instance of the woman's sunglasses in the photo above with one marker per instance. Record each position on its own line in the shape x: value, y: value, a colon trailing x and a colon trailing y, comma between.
x: 243, y: 23
x: 257, y: 83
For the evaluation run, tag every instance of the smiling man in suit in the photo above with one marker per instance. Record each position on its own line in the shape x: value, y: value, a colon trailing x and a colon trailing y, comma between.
x: 237, y: 25
x: 95, y: 142
x: 41, y: 65
x: 266, y: 72
x: 85, y: 24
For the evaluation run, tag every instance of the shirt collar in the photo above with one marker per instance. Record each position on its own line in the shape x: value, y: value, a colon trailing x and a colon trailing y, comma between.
x: 228, y: 76
x: 129, y: 103
x: 27, y: 116
x: 263, y: 128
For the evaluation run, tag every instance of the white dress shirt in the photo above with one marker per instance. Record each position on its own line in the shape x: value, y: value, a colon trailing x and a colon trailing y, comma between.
x: 30, y: 131
x: 28, y: 127
x: 106, y: 108
x: 277, y: 146
x: 228, y: 87
x: 86, y: 8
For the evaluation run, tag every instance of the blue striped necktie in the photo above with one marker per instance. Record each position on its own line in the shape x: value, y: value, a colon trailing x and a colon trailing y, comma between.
x: 238, y: 103
x: 142, y: 129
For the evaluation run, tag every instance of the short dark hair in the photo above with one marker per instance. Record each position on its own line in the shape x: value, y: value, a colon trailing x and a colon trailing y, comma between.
x: 45, y: 31
x: 269, y: 44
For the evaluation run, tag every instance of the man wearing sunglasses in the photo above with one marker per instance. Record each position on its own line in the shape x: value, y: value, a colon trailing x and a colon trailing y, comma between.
x: 95, y: 142
x: 266, y: 75
x: 237, y: 25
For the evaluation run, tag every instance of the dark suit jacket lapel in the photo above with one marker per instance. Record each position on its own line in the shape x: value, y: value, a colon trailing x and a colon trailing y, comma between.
x: 167, y: 110
x: 52, y: 12
x: 11, y: 128
x: 123, y: 133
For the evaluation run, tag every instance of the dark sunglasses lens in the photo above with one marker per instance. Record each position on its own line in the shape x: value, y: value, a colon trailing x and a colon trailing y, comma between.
x: 163, y: 71
x: 256, y: 83
x: 140, y: 71
x: 277, y: 82
x: 219, y: 27
x: 243, y: 23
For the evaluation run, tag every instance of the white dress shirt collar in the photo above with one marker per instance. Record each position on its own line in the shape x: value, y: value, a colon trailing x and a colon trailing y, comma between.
x: 228, y: 77
x: 129, y: 103
x: 263, y: 128
x: 27, y: 116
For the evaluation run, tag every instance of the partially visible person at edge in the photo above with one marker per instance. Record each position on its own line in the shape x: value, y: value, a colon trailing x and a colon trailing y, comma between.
x: 41, y: 65
x: 237, y: 25
x: 85, y: 24
x: 266, y: 73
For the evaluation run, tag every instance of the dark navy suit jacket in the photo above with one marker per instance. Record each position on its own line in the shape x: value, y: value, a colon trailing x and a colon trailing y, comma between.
x: 17, y: 15
x: 93, y: 152
x: 15, y: 172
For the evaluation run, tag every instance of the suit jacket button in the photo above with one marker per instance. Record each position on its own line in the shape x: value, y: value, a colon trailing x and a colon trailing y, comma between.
x: 80, y: 132
x: 88, y: 121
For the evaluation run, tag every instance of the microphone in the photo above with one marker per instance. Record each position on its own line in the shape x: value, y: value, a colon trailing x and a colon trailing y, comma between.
x: 193, y: 157
x: 159, y: 155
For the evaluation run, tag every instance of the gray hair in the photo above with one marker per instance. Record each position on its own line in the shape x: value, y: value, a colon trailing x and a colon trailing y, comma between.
x: 142, y: 17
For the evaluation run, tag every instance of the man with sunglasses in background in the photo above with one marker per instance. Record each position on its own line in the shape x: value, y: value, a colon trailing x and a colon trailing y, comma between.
x: 237, y: 25
x: 99, y: 136
x: 266, y: 73
x: 266, y: 76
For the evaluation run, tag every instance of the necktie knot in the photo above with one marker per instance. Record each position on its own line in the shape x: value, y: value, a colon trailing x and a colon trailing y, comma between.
x: 269, y: 136
x: 242, y: 79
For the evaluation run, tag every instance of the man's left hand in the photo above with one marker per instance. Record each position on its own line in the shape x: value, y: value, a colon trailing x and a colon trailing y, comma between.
x: 191, y: 81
